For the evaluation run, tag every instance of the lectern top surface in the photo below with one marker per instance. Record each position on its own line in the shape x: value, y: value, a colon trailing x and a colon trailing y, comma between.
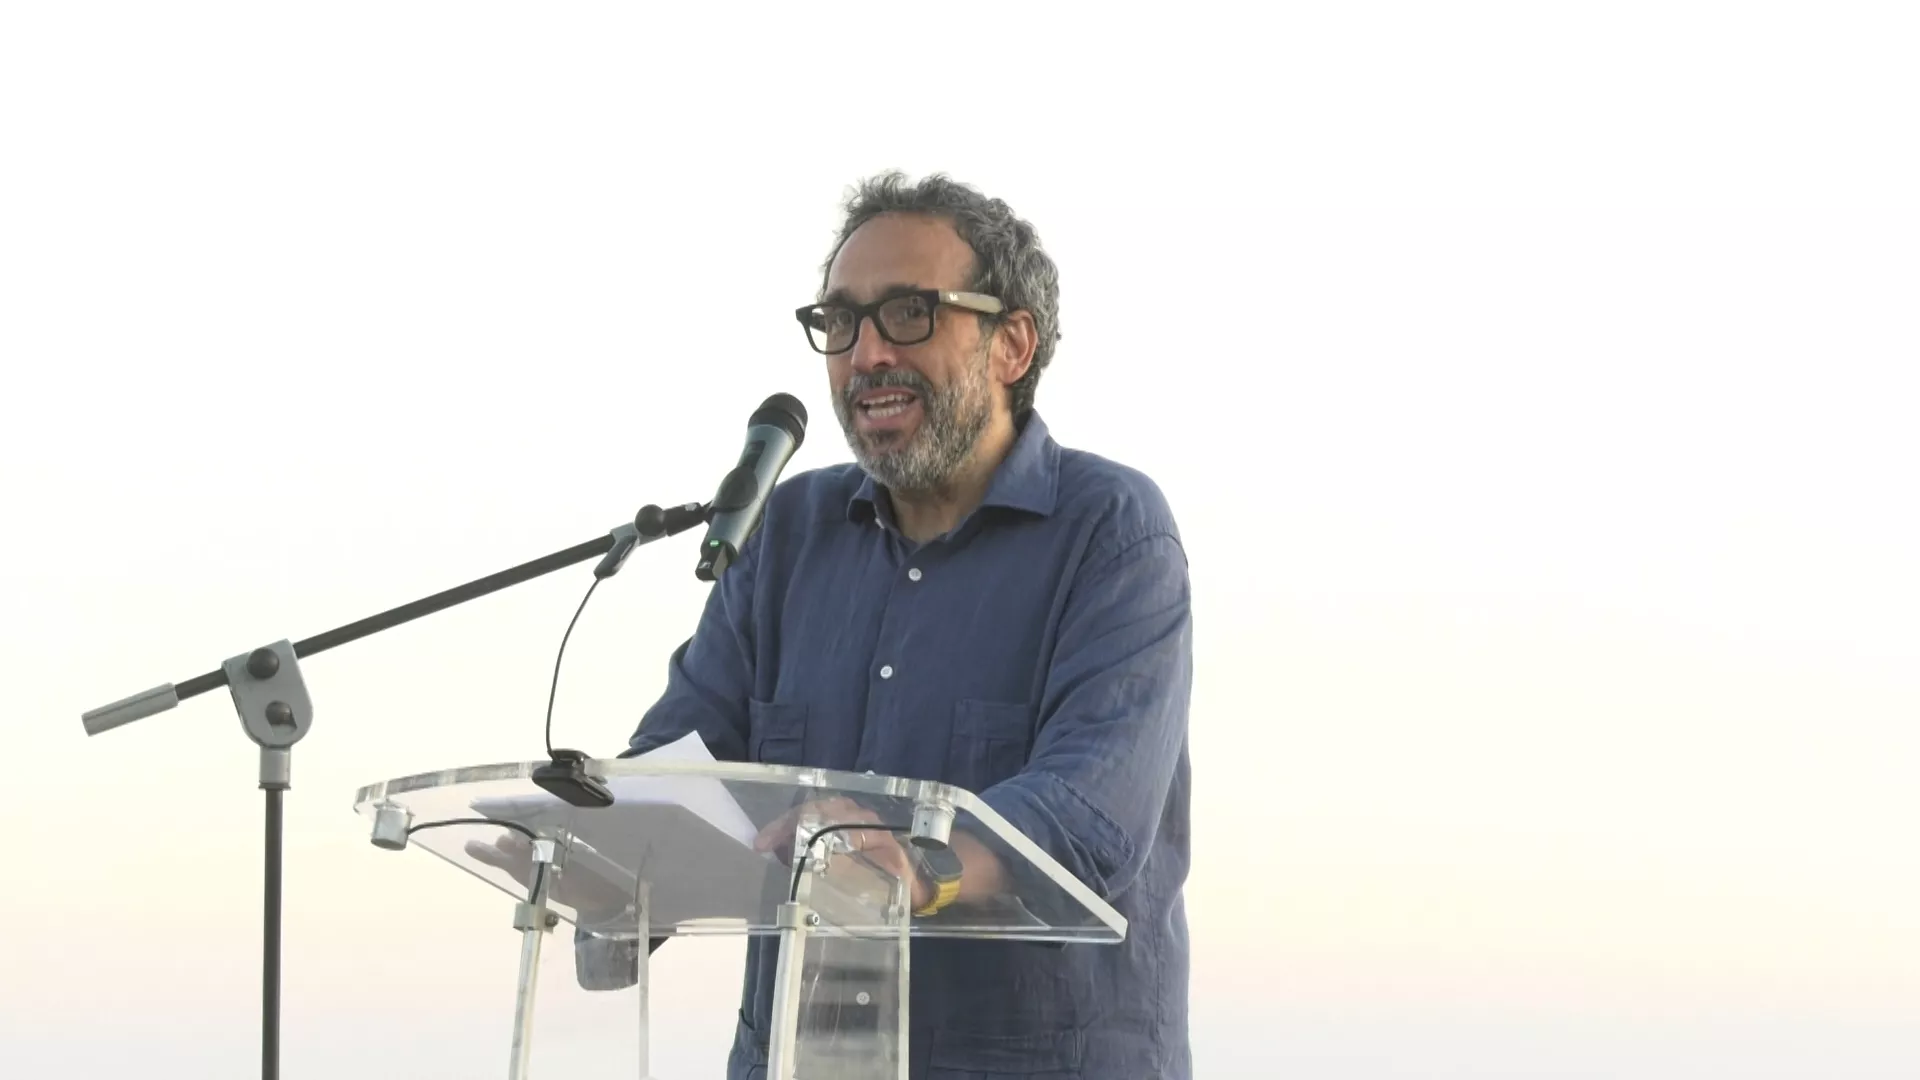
x: 681, y: 843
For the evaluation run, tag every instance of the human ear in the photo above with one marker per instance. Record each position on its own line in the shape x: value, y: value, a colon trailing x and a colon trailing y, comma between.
x: 1013, y: 344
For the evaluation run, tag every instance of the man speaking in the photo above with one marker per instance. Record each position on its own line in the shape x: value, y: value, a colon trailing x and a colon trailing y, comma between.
x: 971, y: 603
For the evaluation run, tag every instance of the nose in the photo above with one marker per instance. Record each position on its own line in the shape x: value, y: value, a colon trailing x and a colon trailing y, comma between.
x: 870, y: 351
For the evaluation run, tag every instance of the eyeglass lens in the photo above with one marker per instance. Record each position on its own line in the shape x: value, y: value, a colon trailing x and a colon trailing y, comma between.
x: 903, y: 320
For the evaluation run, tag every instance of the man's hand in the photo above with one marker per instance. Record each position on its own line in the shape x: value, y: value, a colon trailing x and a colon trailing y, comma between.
x: 884, y: 849
x: 595, y: 898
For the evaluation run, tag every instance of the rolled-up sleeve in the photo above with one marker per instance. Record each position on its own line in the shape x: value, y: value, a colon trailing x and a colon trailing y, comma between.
x: 1113, y: 716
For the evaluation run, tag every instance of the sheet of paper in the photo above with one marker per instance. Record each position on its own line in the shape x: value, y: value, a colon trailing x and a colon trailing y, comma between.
x: 703, y: 795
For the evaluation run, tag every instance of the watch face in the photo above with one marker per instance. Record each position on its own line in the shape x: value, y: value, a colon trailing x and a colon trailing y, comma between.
x: 941, y: 863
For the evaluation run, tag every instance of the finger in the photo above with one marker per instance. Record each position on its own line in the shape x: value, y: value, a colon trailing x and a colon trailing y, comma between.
x: 846, y: 810
x: 511, y: 844
x: 875, y: 838
x: 492, y: 855
x: 509, y: 852
x: 776, y: 832
x: 778, y: 835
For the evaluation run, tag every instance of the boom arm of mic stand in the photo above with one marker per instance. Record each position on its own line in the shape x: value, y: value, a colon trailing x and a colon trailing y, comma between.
x: 652, y: 524
x: 275, y: 711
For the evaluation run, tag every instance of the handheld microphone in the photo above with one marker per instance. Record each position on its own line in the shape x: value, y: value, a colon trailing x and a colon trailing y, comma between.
x: 774, y: 432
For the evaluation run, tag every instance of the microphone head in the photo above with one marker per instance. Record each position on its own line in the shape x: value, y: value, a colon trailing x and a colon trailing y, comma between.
x: 783, y: 411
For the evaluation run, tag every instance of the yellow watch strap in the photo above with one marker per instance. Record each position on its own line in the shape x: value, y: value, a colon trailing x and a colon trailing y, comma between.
x: 945, y: 892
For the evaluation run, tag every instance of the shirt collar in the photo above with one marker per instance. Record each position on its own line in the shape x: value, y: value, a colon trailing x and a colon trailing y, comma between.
x: 1027, y: 479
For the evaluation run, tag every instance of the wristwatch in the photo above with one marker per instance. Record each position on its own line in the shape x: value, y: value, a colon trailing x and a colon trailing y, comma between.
x: 939, y: 868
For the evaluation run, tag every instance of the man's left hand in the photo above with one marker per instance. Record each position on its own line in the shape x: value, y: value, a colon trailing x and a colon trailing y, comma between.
x: 881, y: 847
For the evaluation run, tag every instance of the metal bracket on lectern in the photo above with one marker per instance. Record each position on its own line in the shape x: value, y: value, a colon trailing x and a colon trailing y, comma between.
x: 793, y: 920
x: 392, y: 824
x: 274, y: 709
x: 932, y: 825
x: 531, y: 918
x: 806, y: 841
x: 532, y: 913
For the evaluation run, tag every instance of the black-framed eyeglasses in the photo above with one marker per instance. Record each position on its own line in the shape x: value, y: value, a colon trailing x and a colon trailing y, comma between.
x: 904, y: 318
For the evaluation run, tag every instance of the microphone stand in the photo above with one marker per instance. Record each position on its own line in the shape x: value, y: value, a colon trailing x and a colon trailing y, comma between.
x: 275, y: 711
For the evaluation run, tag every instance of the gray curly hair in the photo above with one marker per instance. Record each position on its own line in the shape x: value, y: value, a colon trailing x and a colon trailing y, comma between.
x: 1008, y: 261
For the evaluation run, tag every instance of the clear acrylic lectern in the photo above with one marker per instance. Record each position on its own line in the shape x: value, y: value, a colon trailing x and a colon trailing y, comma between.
x: 676, y: 855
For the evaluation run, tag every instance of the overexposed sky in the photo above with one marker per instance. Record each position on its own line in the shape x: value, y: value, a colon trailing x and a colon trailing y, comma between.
x: 1535, y: 389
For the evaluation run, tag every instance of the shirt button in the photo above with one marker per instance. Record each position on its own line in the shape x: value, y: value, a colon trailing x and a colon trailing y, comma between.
x: 886, y: 671
x: 913, y: 574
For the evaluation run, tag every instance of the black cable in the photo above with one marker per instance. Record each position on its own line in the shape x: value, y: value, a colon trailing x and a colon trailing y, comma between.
x: 514, y: 825
x: 800, y: 860
x: 540, y: 868
x: 554, y: 691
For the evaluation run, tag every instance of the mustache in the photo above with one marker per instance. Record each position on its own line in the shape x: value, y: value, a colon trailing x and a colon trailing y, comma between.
x: 891, y: 379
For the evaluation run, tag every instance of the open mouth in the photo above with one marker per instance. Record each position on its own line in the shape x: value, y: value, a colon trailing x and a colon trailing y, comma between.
x: 882, y: 406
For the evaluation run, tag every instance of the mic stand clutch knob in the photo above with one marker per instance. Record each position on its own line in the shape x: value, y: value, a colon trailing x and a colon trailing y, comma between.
x: 653, y: 522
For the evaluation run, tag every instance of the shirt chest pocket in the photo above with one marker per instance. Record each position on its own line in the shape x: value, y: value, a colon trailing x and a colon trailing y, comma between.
x: 988, y: 744
x: 777, y: 734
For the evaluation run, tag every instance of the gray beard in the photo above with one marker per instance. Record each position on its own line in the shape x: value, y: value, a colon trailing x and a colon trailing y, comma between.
x: 951, y: 423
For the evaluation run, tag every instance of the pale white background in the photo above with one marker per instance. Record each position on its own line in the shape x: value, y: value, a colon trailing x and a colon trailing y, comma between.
x: 1535, y: 385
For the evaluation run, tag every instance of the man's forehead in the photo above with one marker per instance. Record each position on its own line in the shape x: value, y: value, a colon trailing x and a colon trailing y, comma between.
x: 893, y: 251
x: 852, y: 294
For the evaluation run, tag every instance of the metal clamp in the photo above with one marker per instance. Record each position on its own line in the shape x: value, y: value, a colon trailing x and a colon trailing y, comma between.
x: 932, y: 824
x: 274, y: 708
x: 392, y: 824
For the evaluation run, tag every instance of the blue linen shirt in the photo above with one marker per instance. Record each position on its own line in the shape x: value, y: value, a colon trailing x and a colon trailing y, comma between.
x: 1039, y: 655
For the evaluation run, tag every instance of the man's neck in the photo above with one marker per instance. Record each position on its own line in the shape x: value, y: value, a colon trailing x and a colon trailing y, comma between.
x: 923, y: 515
